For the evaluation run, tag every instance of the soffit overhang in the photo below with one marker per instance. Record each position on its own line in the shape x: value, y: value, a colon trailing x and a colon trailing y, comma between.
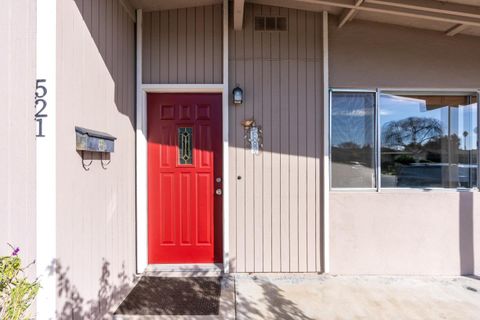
x: 451, y: 17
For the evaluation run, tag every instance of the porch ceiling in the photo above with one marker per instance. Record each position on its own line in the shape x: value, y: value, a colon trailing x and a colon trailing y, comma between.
x: 451, y: 17
x: 153, y: 5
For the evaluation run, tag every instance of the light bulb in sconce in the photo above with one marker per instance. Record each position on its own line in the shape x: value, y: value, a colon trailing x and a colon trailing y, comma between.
x: 237, y: 95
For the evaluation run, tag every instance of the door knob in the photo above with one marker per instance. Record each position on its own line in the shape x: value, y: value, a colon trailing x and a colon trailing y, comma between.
x: 218, y: 192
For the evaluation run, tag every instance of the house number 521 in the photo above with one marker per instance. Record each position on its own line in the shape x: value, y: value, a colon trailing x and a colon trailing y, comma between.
x: 40, y: 105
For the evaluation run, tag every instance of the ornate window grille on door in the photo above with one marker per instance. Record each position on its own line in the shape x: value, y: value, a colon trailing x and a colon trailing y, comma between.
x: 185, y: 146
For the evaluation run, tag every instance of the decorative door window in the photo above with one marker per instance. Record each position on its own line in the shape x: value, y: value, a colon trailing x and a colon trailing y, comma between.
x: 185, y: 146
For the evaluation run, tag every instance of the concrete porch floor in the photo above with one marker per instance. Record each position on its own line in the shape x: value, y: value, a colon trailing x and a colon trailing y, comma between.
x: 355, y: 297
x: 311, y: 296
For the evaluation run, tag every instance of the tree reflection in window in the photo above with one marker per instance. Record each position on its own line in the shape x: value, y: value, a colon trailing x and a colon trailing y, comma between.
x: 428, y: 141
x: 411, y: 133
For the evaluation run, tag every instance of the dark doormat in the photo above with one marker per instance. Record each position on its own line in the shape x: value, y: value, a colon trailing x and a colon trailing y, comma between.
x: 173, y: 296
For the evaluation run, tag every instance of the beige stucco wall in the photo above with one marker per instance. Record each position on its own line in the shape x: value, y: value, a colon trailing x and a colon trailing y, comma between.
x: 95, y: 208
x: 17, y: 131
x: 403, y: 232
x: 367, y: 54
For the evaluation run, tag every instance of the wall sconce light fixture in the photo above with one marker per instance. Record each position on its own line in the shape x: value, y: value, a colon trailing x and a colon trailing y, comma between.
x: 237, y: 95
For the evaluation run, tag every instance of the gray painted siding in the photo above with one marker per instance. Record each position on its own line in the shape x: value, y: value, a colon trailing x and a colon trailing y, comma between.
x: 17, y: 132
x: 275, y: 204
x: 95, y: 208
x: 183, y: 45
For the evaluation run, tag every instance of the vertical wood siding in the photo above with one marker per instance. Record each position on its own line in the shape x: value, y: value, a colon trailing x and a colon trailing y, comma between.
x: 275, y: 209
x: 183, y: 45
x: 95, y: 208
x: 17, y: 131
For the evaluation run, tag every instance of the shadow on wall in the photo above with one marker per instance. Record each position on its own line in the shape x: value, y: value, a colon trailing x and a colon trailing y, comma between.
x: 108, y: 296
x: 466, y: 233
x: 275, y: 194
x: 113, y: 32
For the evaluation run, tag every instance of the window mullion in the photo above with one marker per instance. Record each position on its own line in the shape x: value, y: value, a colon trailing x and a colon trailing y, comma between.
x: 478, y: 140
x: 378, y: 146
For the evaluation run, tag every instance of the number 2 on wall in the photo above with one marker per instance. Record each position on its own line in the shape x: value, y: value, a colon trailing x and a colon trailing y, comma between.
x: 40, y: 105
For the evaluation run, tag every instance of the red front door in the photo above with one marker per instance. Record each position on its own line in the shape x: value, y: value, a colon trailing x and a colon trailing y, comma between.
x: 184, y: 173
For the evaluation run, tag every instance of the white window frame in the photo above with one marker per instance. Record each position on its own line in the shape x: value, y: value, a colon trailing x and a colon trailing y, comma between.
x: 377, y: 134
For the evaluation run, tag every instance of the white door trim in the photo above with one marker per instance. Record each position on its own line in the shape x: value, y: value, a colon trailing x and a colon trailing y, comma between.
x: 183, y: 88
x: 226, y: 177
x: 141, y: 157
x: 326, y: 150
x: 142, y: 175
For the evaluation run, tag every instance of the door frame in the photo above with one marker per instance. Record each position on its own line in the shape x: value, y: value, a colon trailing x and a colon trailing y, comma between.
x: 142, y: 163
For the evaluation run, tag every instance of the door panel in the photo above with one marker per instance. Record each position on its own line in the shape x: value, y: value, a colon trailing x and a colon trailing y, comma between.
x: 166, y: 211
x: 184, y: 160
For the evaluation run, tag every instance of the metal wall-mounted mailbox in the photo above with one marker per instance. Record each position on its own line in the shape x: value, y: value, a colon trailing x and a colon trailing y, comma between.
x: 94, y: 141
